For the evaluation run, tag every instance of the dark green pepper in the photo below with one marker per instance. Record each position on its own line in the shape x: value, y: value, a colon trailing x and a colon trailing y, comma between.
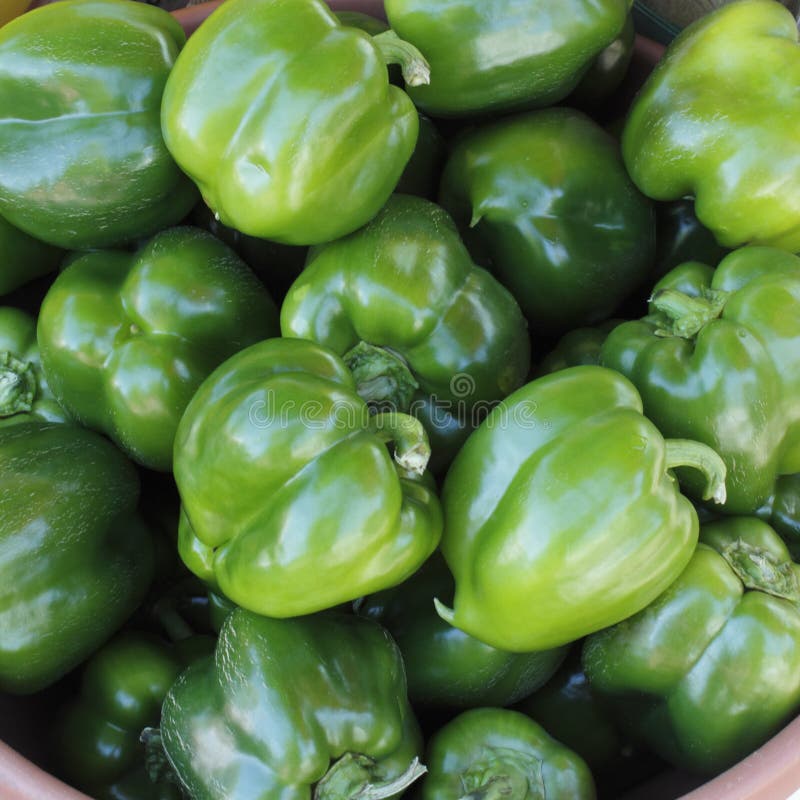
x: 23, y: 258
x: 782, y: 512
x: 578, y: 347
x: 445, y: 666
x: 75, y: 559
x: 423, y: 329
x: 126, y: 338
x: 287, y: 705
x: 711, y: 669
x: 718, y: 360
x: 493, y: 753
x: 82, y: 160
x: 543, y: 199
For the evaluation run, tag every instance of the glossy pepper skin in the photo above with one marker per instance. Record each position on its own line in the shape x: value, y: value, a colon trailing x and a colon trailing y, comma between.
x: 292, y: 501
x: 720, y: 128
x: 24, y: 393
x: 249, y: 108
x: 75, y: 559
x: 576, y: 348
x: 562, y: 492
x: 504, y: 55
x: 718, y: 360
x: 422, y: 328
x: 287, y: 705
x: 23, y: 258
x: 711, y: 669
x: 89, y: 75
x: 122, y: 688
x: 445, y: 666
x: 126, y: 338
x: 544, y: 201
x: 782, y: 512
x: 494, y: 753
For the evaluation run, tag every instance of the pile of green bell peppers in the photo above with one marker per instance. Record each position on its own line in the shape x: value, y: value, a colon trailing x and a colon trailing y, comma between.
x: 472, y: 431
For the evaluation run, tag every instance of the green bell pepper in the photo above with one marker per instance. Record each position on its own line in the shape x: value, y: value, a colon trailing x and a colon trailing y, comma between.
x: 96, y: 736
x: 23, y: 258
x: 75, y: 559
x: 718, y: 360
x: 292, y: 502
x: 281, y: 700
x: 251, y: 104
x: 561, y: 505
x: 711, y: 669
x: 24, y: 393
x: 782, y: 512
x: 578, y: 347
x: 126, y: 338
x: 82, y: 160
x: 721, y: 128
x: 423, y: 329
x: 445, y: 666
x: 503, y: 55
x: 493, y: 753
x: 543, y: 199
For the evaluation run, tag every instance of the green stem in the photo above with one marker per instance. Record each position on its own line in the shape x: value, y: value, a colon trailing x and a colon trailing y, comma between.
x: 761, y: 570
x: 411, y: 447
x: 383, y: 379
x: 416, y: 70
x: 17, y: 385
x: 355, y: 777
x: 688, y: 453
x: 171, y: 621
x: 504, y: 774
x: 688, y: 315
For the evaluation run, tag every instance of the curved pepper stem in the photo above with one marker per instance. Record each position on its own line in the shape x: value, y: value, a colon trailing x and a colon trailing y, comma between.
x: 17, y: 385
x: 687, y: 315
x: 688, y: 453
x: 355, y: 777
x: 761, y: 570
x: 504, y: 775
x: 416, y: 70
x: 383, y: 379
x: 412, y: 450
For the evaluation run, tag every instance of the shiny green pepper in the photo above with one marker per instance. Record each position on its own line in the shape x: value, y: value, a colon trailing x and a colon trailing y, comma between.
x: 24, y: 393
x: 506, y: 54
x: 287, y: 705
x: 292, y: 501
x: 495, y: 753
x: 82, y: 160
x: 444, y: 665
x: 126, y: 338
x: 715, y: 120
x: 423, y: 329
x: 711, y: 669
x: 23, y: 258
x: 286, y: 119
x: 75, y: 559
x: 718, y: 360
x: 544, y: 201
x: 782, y: 512
x: 561, y: 513
x: 579, y: 347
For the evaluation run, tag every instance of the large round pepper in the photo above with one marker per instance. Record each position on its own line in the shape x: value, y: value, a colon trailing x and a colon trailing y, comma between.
x: 292, y: 502
x: 544, y: 200
x: 423, y: 329
x: 711, y: 669
x: 721, y: 128
x: 444, y: 665
x: 23, y: 258
x: 504, y: 54
x: 286, y: 119
x: 24, y: 393
x: 126, y: 338
x: 287, y: 705
x: 75, y: 559
x: 82, y: 159
x: 495, y: 753
x: 562, y: 516
x: 718, y: 360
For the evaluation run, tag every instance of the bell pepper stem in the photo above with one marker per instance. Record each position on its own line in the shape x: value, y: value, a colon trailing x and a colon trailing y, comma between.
x: 416, y: 70
x: 353, y: 777
x: 171, y: 621
x: 412, y: 449
x: 17, y: 385
x: 758, y: 569
x: 688, y: 453
x: 687, y: 315
x: 446, y: 613
x: 504, y: 774
x: 383, y: 379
